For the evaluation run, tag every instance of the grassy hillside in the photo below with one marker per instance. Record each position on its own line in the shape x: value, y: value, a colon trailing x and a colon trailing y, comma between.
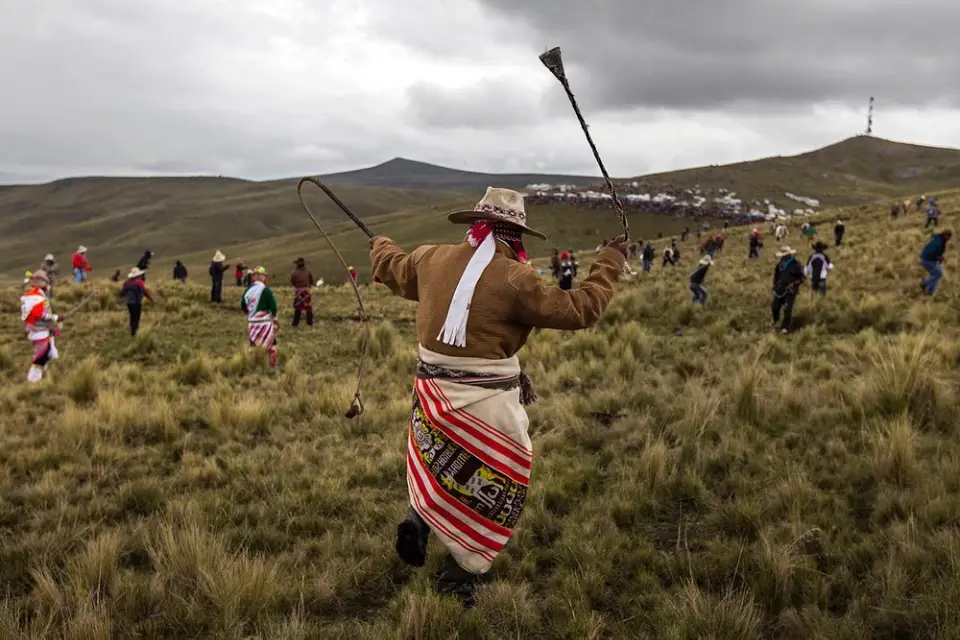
x: 118, y: 218
x: 696, y: 475
x: 854, y: 171
x: 188, y: 218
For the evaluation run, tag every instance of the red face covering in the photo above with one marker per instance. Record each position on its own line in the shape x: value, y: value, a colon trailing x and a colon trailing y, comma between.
x: 480, y: 229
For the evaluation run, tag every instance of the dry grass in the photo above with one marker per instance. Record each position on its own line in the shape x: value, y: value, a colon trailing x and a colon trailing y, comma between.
x: 696, y: 476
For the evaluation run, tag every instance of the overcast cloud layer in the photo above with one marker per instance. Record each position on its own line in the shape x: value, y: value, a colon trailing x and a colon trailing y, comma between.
x: 271, y: 88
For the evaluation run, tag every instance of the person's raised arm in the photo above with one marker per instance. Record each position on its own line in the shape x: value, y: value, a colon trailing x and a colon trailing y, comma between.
x: 539, y: 303
x: 395, y: 268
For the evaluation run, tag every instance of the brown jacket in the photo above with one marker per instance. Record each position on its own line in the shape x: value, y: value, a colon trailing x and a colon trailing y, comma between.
x: 301, y: 278
x: 511, y: 299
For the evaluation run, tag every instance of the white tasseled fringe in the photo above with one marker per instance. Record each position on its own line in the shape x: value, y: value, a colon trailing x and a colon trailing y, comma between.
x: 454, y: 330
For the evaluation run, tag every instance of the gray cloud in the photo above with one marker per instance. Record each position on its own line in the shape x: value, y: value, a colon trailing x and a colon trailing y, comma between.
x: 259, y: 89
x: 706, y: 54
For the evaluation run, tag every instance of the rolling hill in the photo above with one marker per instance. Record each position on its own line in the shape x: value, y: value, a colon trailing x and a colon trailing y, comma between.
x: 401, y: 173
x: 188, y: 217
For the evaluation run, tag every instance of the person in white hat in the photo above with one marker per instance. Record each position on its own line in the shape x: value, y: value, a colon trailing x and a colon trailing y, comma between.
x: 80, y: 265
x: 39, y: 324
x: 787, y: 278
x: 217, y: 269
x: 133, y: 292
x: 52, y: 269
x: 696, y: 280
x: 469, y: 455
x: 260, y: 305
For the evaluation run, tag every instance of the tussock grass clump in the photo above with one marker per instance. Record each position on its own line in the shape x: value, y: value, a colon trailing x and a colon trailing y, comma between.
x: 194, y: 370
x: 83, y: 383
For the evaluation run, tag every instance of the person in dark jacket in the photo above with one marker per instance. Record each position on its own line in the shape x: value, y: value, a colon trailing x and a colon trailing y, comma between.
x: 116, y: 276
x: 180, y: 272
x: 217, y: 269
x: 696, y: 280
x: 755, y: 243
x: 144, y: 263
x: 931, y: 259
x: 555, y: 264
x: 676, y: 251
x: 649, y: 253
x: 817, y: 268
x: 568, y: 271
x: 134, y: 291
x: 838, y: 232
x: 787, y: 278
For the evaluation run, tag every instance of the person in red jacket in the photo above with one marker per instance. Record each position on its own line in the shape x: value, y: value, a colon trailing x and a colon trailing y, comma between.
x: 238, y: 272
x: 353, y: 273
x: 80, y: 265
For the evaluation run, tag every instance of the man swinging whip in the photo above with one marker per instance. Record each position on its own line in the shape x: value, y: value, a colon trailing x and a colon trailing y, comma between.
x: 469, y: 456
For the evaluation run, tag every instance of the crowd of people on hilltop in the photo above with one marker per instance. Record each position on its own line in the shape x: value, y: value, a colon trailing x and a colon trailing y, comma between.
x: 694, y: 203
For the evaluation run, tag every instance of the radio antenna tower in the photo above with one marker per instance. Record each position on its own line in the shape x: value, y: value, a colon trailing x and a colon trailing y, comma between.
x: 870, y: 118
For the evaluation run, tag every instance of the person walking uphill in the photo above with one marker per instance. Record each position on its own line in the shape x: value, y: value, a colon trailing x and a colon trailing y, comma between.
x: 756, y: 243
x: 568, y: 272
x: 649, y: 253
x: 787, y: 278
x: 302, y: 281
x: 838, y: 231
x: 931, y: 259
x: 217, y: 269
x: 260, y: 306
x: 180, y: 272
x: 696, y: 280
x: 80, y: 265
x: 38, y: 323
x: 469, y: 455
x: 817, y: 268
x: 133, y: 292
x: 144, y: 262
x: 52, y: 269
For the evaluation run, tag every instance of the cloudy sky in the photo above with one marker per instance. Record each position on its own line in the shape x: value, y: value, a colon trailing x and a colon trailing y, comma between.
x: 270, y: 88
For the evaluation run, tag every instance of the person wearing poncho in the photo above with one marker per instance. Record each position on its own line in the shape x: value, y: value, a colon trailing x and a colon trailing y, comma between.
x: 260, y: 306
x: 39, y: 324
x: 302, y: 281
x: 469, y: 455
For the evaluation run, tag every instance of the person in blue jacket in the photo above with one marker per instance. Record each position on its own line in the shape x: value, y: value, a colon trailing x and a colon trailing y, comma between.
x: 931, y: 259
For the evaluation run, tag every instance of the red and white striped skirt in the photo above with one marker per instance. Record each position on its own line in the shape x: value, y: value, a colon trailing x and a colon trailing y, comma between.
x: 469, y: 456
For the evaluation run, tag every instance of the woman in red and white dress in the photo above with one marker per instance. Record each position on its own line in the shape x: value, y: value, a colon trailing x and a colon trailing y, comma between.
x: 39, y: 324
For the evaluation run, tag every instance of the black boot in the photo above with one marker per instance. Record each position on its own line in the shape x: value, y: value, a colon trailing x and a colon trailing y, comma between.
x: 309, y: 318
x: 412, y: 534
x: 453, y: 580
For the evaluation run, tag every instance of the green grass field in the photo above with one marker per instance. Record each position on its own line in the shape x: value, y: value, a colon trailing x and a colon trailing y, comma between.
x: 696, y: 474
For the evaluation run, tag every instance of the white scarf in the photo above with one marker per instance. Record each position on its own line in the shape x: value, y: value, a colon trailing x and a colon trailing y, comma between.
x: 454, y: 331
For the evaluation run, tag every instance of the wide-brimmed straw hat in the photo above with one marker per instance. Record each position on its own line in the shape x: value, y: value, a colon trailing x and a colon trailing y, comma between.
x: 786, y: 251
x: 81, y: 249
x: 498, y: 205
x: 219, y: 257
x: 41, y: 276
x: 136, y: 272
x: 49, y: 258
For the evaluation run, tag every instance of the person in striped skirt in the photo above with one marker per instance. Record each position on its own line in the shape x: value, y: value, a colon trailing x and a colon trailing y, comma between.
x: 260, y: 305
x: 469, y: 454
